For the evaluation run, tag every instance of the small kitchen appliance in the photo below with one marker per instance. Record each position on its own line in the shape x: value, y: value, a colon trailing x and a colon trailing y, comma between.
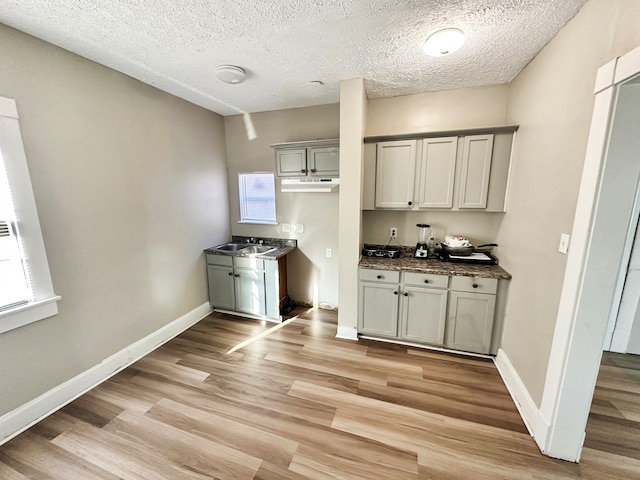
x: 423, y: 232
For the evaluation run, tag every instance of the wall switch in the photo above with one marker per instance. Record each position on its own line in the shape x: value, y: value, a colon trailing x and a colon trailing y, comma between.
x: 393, y: 232
x: 286, y: 228
x: 328, y: 253
x: 298, y: 228
x: 564, y: 243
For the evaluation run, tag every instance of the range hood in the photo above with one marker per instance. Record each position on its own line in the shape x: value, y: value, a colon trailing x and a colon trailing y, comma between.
x: 310, y: 185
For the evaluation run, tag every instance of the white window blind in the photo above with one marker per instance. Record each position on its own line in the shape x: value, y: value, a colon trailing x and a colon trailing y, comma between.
x: 257, y: 197
x: 15, y: 288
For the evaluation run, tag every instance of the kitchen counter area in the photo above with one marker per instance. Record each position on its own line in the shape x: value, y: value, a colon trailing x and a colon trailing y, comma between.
x: 282, y: 247
x: 407, y: 263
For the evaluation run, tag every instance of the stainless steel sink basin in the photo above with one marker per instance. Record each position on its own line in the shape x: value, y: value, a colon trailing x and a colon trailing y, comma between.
x: 245, y: 248
x: 257, y: 249
x: 231, y: 247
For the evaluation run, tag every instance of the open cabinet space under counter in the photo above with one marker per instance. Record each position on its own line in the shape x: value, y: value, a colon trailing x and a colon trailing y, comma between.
x: 431, y: 303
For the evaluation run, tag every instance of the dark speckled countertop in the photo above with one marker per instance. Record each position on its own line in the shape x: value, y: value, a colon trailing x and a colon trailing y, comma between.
x: 408, y: 263
x: 284, y: 247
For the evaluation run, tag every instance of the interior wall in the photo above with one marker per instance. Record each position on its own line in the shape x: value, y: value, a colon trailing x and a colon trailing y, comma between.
x: 130, y: 185
x: 431, y: 112
x: 552, y: 101
x: 312, y: 277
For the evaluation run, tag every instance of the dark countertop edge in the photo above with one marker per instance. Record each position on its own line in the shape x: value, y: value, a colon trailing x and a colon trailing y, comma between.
x: 437, y: 267
x: 273, y: 255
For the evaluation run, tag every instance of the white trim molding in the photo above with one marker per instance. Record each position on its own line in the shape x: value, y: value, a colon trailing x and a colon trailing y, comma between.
x: 533, y: 419
x: 20, y: 419
x: 347, y: 333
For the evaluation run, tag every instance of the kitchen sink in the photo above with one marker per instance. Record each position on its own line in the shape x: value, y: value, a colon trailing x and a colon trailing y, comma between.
x: 231, y: 247
x: 257, y: 249
x: 245, y: 248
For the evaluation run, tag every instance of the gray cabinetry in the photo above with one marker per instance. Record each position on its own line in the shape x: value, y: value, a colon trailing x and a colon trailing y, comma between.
x: 471, y: 314
x: 319, y: 158
x: 423, y: 308
x: 247, y: 285
x: 461, y: 172
x: 378, y: 302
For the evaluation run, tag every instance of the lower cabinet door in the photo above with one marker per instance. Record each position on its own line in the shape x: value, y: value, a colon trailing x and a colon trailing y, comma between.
x: 221, y: 287
x: 378, y: 309
x: 470, y: 321
x: 423, y: 313
x: 250, y: 292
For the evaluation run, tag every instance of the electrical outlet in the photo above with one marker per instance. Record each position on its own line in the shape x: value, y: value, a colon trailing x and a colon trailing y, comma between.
x: 286, y: 228
x: 328, y: 253
x: 299, y: 228
x: 393, y: 232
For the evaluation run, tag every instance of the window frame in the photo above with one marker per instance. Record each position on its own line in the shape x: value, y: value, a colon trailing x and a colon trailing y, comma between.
x: 44, y: 302
x: 244, y: 217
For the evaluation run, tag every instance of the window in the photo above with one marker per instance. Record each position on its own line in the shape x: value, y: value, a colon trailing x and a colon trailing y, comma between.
x: 257, y: 197
x: 26, y: 290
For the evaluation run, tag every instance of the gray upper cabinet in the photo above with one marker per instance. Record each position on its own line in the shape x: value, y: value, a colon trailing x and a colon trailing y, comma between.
x: 395, y: 174
x: 475, y: 170
x: 318, y: 158
x: 437, y: 172
x: 457, y: 172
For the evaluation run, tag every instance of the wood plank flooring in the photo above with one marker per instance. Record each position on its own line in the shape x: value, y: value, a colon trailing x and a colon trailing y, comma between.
x: 301, y: 404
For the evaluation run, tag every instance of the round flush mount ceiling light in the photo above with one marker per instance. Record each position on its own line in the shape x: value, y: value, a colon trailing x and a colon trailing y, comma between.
x: 230, y: 74
x: 443, y: 42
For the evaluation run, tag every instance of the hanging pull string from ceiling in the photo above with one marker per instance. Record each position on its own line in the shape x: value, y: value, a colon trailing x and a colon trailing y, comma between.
x: 246, y: 116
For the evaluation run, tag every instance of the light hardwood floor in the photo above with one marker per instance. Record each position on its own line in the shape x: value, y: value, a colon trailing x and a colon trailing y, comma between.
x: 300, y: 403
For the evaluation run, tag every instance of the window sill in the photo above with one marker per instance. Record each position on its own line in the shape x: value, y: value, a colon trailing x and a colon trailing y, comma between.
x: 28, y: 313
x: 257, y: 222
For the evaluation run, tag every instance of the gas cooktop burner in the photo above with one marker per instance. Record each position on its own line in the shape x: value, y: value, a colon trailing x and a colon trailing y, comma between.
x: 381, y: 252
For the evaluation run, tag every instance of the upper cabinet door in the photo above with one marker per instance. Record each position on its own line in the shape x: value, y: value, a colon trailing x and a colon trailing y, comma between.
x: 324, y: 161
x: 437, y: 172
x: 476, y: 168
x: 395, y: 174
x: 291, y: 162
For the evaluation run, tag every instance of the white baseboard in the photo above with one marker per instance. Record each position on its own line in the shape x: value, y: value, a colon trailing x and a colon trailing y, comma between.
x: 20, y: 419
x: 347, y: 333
x: 534, y: 421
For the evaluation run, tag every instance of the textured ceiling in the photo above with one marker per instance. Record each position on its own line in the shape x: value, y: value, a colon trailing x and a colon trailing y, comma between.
x: 285, y: 46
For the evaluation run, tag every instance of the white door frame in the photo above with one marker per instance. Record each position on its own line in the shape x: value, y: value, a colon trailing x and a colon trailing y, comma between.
x: 600, y: 231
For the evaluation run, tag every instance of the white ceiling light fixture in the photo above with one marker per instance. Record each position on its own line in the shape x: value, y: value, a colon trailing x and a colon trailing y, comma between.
x: 443, y: 42
x: 230, y: 74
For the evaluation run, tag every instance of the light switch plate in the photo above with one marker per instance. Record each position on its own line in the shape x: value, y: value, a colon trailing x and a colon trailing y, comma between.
x: 564, y: 243
x: 286, y: 228
x: 299, y: 228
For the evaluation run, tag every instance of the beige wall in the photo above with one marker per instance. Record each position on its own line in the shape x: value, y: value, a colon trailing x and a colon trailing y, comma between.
x: 130, y: 185
x: 552, y: 100
x: 312, y: 276
x: 429, y: 112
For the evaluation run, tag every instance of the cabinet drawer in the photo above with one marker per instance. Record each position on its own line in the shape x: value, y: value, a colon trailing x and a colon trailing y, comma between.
x: 426, y: 280
x: 382, y: 276
x: 474, y: 284
x: 249, y: 262
x: 224, y: 260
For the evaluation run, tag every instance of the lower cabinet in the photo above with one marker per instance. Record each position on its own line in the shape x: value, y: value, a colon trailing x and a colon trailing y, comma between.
x: 247, y: 285
x: 406, y: 305
x: 455, y: 312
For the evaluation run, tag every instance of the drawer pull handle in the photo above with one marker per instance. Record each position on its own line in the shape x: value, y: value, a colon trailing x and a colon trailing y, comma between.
x: 395, y: 293
x: 405, y: 294
x: 410, y: 203
x: 475, y: 285
x: 303, y: 171
x: 313, y: 170
x: 237, y: 275
x: 426, y: 281
x: 379, y: 277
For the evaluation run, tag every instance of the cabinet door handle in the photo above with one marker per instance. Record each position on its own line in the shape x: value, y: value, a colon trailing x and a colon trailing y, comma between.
x: 313, y: 170
x: 426, y: 281
x: 410, y: 203
x: 237, y: 275
x: 475, y: 285
x: 230, y: 274
x: 405, y: 294
x: 395, y: 293
x: 379, y: 277
x: 303, y: 171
